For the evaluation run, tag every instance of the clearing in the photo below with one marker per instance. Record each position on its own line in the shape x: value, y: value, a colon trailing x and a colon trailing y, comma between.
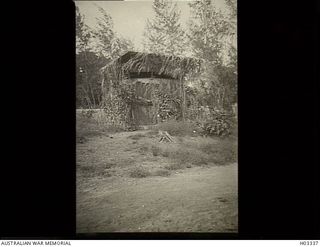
x: 129, y: 182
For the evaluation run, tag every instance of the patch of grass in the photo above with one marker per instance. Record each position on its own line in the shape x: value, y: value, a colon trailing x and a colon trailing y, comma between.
x: 144, y: 149
x: 94, y: 171
x: 109, y: 165
x: 222, y: 152
x: 165, y: 153
x: 189, y: 156
x: 111, y: 129
x: 136, y: 137
x: 90, y: 127
x: 139, y: 172
x: 206, y: 147
x: 152, y: 133
x: 175, y: 166
x: 198, y: 151
x: 155, y: 150
x: 162, y: 173
x: 178, y: 128
x: 121, y: 161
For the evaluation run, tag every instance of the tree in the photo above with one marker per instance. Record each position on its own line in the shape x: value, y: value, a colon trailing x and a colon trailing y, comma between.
x: 232, y: 27
x: 94, y: 48
x: 106, y: 42
x: 211, y: 33
x: 83, y: 33
x: 164, y: 34
x: 86, y: 95
x: 206, y: 30
x: 89, y: 92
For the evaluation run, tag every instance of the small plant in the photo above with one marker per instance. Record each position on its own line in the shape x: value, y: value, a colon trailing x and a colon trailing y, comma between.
x: 139, y: 172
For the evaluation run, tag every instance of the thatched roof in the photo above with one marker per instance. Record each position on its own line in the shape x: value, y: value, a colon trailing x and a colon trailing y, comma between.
x: 158, y: 64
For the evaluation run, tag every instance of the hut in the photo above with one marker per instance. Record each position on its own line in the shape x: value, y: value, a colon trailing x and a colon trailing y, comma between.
x: 145, y: 88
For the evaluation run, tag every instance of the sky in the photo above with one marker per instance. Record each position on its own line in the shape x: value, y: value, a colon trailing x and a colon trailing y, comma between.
x: 129, y: 16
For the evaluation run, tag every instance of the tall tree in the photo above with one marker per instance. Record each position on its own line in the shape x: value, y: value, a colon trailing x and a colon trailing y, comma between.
x: 210, y: 33
x: 88, y: 91
x: 106, y: 41
x: 232, y: 33
x: 206, y: 29
x: 163, y: 33
x: 83, y: 33
x: 94, y: 48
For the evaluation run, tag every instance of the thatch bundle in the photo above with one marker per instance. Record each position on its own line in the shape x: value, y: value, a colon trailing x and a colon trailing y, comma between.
x: 157, y: 64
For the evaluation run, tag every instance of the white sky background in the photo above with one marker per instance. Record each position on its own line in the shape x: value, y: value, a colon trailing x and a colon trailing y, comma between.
x: 129, y: 16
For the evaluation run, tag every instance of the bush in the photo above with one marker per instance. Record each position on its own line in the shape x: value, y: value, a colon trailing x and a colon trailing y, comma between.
x: 219, y: 124
x: 139, y: 172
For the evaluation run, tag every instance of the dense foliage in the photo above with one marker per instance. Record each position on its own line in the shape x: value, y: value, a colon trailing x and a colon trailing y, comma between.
x: 163, y: 34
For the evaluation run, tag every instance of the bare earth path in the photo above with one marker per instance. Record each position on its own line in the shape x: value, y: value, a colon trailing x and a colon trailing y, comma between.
x: 198, y: 199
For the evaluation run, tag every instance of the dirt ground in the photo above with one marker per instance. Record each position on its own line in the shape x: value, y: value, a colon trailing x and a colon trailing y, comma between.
x: 193, y: 199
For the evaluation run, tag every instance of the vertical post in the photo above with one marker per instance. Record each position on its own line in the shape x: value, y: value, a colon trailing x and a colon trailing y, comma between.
x: 103, y: 94
x: 183, y: 98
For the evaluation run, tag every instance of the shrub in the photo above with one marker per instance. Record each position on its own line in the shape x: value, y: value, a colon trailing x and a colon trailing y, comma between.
x: 139, y: 172
x: 219, y: 124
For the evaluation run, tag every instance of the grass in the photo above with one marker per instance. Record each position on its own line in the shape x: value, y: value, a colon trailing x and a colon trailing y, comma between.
x: 139, y: 172
x: 93, y: 171
x: 198, y: 152
x: 162, y: 173
x: 137, y: 137
x: 89, y: 127
x: 175, y: 166
x: 177, y: 128
x: 155, y: 150
x: 141, y: 155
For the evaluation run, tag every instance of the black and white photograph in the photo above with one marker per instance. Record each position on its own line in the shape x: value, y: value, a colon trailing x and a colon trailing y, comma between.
x: 156, y: 116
